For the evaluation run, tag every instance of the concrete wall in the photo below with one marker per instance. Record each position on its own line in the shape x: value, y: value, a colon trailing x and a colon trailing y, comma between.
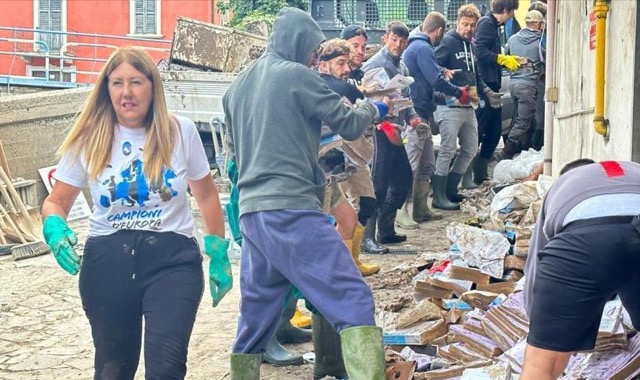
x: 32, y: 128
x: 574, y: 136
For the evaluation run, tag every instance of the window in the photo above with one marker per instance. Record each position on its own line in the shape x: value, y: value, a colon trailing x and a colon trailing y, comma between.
x: 50, y: 17
x: 145, y: 17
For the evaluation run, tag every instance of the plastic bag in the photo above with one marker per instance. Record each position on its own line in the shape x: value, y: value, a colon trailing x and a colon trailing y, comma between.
x: 521, y: 166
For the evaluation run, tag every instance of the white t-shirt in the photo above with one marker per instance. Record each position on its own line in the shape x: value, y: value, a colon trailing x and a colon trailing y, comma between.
x: 124, y: 199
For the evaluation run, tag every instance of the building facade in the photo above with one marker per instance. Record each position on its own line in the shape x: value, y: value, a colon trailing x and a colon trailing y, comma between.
x: 68, y: 41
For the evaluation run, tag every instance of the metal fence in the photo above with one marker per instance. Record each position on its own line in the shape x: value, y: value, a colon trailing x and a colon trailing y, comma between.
x: 376, y: 14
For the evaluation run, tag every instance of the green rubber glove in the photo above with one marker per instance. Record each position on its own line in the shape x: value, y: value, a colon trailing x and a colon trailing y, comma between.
x: 232, y: 208
x: 508, y: 61
x: 61, y: 240
x: 220, y: 277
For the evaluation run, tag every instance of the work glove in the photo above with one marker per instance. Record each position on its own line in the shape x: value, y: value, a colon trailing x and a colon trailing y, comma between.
x: 493, y: 98
x: 392, y: 132
x: 383, y: 110
x: 61, y: 239
x: 232, y: 208
x: 464, y: 97
x: 422, y: 129
x: 508, y: 61
x: 220, y: 277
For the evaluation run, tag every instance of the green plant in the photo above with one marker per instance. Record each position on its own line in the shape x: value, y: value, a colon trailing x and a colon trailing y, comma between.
x: 244, y: 11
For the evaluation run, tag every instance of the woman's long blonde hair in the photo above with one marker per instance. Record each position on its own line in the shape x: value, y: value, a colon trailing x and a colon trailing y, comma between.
x: 93, y: 131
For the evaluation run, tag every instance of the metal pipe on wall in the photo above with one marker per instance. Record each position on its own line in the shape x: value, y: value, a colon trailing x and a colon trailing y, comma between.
x: 550, y: 77
x: 600, y: 9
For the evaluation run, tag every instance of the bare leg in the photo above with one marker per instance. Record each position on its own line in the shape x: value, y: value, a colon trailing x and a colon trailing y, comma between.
x: 346, y: 218
x: 540, y: 364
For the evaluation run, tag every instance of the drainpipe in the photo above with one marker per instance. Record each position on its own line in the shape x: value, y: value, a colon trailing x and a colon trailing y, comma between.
x: 600, y: 9
x: 551, y: 93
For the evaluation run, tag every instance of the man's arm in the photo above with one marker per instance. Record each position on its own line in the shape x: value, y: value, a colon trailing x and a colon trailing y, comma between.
x: 485, y: 37
x: 228, y: 130
x: 431, y: 72
x: 319, y: 101
x: 538, y: 241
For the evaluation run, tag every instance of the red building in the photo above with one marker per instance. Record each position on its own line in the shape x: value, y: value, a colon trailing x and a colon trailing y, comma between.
x: 69, y: 40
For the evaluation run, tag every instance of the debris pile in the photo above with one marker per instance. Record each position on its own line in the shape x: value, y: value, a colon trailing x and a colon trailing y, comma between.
x: 469, y: 320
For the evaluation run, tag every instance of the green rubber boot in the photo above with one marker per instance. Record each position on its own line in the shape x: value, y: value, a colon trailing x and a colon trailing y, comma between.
x: 245, y: 366
x: 363, y: 352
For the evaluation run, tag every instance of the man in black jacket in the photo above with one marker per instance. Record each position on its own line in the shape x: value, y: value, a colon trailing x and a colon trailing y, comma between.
x: 457, y: 121
x: 491, y: 61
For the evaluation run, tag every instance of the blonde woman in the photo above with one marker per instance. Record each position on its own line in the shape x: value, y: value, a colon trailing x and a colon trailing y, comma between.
x: 140, y: 260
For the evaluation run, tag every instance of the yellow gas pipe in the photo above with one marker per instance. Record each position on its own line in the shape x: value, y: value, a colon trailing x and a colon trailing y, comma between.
x: 600, y: 9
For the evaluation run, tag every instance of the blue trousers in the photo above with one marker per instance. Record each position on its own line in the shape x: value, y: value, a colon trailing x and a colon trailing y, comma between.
x: 301, y: 248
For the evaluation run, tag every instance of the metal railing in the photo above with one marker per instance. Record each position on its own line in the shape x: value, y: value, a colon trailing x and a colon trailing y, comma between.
x: 93, y: 48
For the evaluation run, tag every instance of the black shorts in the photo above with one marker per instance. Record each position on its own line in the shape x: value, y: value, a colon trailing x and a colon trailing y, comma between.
x: 578, y: 271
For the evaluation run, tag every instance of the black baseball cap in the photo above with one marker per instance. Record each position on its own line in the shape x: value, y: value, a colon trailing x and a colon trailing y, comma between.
x: 353, y: 31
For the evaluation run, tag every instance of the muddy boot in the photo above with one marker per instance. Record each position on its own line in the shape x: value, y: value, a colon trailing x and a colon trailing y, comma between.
x: 421, y: 210
x: 404, y: 219
x: 440, y: 199
x: 288, y: 333
x: 386, y: 225
x: 363, y: 352
x: 369, y: 242
x: 354, y: 246
x: 275, y: 354
x: 451, y: 189
x: 467, y: 178
x: 328, y: 349
x: 480, y: 169
x: 245, y: 366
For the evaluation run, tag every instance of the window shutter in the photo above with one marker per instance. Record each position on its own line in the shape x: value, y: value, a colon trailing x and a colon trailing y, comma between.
x: 139, y: 16
x: 150, y: 17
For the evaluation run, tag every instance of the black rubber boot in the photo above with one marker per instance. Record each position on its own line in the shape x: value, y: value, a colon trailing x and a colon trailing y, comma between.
x: 369, y: 243
x: 386, y: 229
x: 275, y: 354
x: 451, y: 189
x: 480, y: 170
x: 467, y: 178
x: 440, y: 199
x: 287, y: 332
x: 327, y: 346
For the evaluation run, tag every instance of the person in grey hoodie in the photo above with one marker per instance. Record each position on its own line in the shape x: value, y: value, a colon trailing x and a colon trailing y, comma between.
x: 273, y: 112
x: 524, y: 82
x: 392, y: 175
x: 584, y: 250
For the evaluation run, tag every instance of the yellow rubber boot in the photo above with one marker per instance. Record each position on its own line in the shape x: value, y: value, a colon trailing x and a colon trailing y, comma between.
x: 354, y: 247
x: 300, y: 320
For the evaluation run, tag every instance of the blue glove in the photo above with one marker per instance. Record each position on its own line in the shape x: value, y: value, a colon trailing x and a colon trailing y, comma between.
x: 232, y: 208
x: 383, y: 110
x: 220, y: 277
x: 61, y: 240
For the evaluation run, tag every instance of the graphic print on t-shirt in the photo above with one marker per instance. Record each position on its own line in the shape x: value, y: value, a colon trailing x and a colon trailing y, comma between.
x: 129, y: 187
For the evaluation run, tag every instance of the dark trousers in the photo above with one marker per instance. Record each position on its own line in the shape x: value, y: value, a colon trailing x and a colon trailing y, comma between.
x: 489, y: 125
x: 525, y: 97
x: 131, y: 275
x: 392, y: 175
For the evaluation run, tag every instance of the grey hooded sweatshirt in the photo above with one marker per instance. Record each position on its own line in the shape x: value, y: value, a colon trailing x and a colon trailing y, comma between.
x: 273, y: 113
x: 526, y: 43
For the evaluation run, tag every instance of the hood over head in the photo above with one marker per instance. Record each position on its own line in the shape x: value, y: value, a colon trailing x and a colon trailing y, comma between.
x: 295, y: 35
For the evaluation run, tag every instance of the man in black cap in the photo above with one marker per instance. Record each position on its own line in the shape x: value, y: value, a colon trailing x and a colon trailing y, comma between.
x: 357, y: 36
x: 359, y: 188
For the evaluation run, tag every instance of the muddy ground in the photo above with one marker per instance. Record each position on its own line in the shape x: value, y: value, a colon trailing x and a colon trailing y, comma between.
x: 45, y: 335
